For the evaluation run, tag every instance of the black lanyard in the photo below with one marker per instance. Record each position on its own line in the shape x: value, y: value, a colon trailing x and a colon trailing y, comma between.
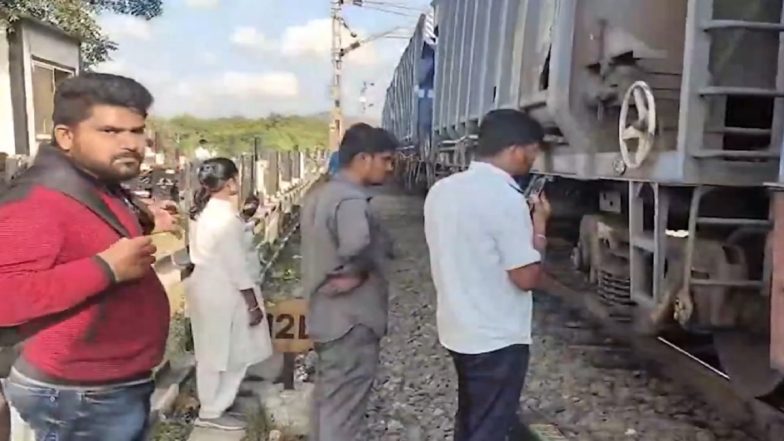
x: 144, y: 217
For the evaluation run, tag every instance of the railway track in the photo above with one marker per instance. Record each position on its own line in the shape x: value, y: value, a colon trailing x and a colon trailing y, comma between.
x: 686, y: 363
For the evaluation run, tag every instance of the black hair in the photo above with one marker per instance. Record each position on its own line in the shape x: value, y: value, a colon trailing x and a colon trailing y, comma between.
x: 251, y: 206
x: 76, y: 96
x: 504, y: 128
x: 213, y: 175
x: 363, y: 138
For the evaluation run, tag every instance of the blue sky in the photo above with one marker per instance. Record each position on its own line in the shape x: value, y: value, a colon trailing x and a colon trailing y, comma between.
x: 214, y: 58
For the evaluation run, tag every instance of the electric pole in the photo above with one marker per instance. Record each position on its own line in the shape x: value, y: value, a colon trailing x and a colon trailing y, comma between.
x: 336, y: 126
x: 336, y: 123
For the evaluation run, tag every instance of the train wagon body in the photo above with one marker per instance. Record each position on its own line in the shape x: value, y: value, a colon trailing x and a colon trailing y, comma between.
x: 665, y: 120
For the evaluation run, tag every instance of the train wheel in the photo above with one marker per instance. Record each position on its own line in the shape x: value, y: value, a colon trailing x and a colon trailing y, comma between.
x: 745, y: 358
x: 744, y: 355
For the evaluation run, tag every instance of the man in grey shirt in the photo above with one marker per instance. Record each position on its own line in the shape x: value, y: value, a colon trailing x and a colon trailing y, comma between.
x: 343, y: 247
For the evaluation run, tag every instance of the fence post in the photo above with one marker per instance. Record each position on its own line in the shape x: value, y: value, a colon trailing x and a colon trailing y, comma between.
x: 296, y: 166
x: 256, y: 144
x: 261, y: 178
x: 273, y: 180
x: 285, y: 170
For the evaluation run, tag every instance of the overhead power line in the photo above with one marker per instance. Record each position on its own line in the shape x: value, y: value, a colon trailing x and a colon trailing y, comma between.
x: 392, y: 5
x: 390, y: 11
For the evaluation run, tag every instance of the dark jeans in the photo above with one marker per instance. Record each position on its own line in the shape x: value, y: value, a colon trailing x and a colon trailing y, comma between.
x: 5, y: 418
x: 489, y: 388
x: 65, y: 414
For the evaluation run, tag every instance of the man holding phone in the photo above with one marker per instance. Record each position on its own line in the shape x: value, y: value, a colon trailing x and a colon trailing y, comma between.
x: 76, y: 279
x: 486, y: 247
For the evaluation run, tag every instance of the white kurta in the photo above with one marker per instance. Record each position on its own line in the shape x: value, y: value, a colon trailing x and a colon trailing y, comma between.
x: 253, y: 262
x: 223, y: 337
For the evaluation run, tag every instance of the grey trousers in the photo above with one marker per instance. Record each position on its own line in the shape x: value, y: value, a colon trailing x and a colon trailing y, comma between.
x: 345, y: 372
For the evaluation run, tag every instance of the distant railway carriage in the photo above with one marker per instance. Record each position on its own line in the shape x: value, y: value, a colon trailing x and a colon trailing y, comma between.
x: 666, y: 119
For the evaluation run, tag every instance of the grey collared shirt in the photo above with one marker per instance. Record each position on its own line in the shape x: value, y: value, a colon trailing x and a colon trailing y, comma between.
x: 339, y: 231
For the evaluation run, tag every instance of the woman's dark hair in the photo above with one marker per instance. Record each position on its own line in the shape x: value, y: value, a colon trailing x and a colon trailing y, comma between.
x: 251, y: 206
x: 213, y: 175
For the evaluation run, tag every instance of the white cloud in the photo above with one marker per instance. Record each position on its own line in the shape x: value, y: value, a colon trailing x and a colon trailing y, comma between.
x: 235, y: 85
x: 310, y: 39
x: 203, y: 4
x: 253, y: 85
x: 314, y: 39
x: 209, y: 58
x: 229, y: 93
x: 117, y: 66
x: 249, y: 37
x: 148, y: 76
x: 121, y: 27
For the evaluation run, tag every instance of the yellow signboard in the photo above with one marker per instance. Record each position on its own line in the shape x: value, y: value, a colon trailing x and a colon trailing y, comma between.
x: 288, y: 328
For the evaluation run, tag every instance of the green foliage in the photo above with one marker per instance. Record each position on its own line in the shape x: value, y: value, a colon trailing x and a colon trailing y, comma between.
x: 230, y: 136
x: 170, y: 430
x: 78, y: 18
x: 180, y: 339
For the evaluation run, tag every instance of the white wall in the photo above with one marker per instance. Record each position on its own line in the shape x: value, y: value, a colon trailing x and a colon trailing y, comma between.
x: 7, y: 143
x: 49, y: 46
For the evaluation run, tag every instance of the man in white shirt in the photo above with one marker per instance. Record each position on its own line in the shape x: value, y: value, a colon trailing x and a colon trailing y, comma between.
x: 485, y: 250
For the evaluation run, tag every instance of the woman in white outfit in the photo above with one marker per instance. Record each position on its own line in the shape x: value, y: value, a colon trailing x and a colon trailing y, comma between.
x: 230, y: 331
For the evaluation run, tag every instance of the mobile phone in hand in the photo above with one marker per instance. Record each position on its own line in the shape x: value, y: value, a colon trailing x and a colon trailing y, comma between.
x: 536, y: 186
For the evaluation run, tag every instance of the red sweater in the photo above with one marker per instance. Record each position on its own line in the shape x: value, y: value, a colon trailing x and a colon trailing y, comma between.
x: 93, y: 330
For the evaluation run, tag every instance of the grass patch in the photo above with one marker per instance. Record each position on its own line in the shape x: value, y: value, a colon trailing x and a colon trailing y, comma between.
x: 259, y: 427
x: 171, y: 431
x: 180, y: 338
x: 176, y: 295
x: 179, y: 425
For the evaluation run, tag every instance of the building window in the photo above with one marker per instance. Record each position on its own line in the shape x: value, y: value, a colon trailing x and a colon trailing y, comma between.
x: 45, y: 79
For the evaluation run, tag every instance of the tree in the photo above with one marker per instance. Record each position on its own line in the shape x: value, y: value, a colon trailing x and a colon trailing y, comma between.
x: 78, y: 18
x: 232, y: 136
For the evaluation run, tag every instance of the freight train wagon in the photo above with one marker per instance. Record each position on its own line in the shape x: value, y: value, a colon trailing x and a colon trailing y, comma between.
x: 665, y: 119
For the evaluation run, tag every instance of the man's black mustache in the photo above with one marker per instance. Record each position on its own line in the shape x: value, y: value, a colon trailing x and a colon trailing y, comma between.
x: 136, y: 156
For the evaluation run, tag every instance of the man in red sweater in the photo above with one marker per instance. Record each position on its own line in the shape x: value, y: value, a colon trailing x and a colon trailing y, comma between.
x: 75, y: 270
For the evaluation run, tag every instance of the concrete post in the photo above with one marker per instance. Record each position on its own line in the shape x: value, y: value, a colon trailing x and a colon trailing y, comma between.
x: 285, y: 170
x: 271, y: 179
x: 261, y: 178
x: 302, y: 164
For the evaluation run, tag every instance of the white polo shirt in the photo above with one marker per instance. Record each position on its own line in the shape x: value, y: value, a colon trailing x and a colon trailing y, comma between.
x: 478, y: 226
